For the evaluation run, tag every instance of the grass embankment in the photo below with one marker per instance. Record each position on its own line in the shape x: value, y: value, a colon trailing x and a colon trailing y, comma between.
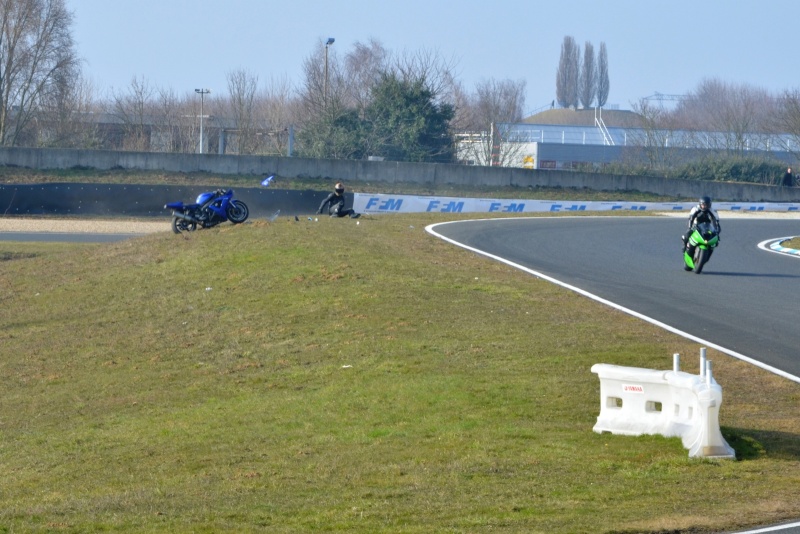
x: 298, y: 376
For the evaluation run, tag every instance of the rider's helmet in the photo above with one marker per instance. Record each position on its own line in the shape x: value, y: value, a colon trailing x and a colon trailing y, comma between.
x: 339, y: 188
x: 705, y: 203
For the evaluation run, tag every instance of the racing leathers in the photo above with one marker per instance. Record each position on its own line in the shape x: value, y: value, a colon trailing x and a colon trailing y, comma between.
x: 335, y: 204
x: 697, y: 216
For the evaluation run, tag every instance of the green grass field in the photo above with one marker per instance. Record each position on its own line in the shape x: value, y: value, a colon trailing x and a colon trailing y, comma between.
x: 298, y: 376
x: 792, y: 243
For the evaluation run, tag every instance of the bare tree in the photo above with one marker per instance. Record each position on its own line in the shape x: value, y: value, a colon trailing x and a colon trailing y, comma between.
x: 133, y: 109
x: 434, y: 71
x: 430, y: 67
x: 169, y: 123
x: 654, y: 136
x: 36, y: 46
x: 588, y: 79
x: 66, y: 116
x: 568, y: 74
x: 465, y: 118
x: 364, y: 66
x: 603, y: 83
x: 241, y: 109
x: 280, y: 111
x: 491, y: 110
x: 500, y: 101
x: 324, y: 129
x: 352, y: 80
x: 324, y: 84
x: 786, y: 120
x: 737, y: 115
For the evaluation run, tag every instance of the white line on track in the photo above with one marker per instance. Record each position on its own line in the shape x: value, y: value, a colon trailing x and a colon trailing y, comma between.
x: 771, y: 529
x: 431, y: 230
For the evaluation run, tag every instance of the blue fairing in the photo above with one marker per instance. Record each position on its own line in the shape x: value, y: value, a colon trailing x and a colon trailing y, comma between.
x: 204, y: 197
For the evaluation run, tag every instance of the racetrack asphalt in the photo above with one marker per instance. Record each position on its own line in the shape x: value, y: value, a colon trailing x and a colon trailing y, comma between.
x: 740, y: 304
x: 76, y: 230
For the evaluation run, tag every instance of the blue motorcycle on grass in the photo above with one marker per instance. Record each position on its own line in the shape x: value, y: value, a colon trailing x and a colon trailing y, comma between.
x: 210, y: 209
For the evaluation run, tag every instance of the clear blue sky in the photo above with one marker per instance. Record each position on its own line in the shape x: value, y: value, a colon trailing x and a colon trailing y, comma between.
x: 653, y: 46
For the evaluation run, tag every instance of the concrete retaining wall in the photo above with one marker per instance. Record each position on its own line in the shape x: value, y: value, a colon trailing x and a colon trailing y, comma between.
x: 389, y: 172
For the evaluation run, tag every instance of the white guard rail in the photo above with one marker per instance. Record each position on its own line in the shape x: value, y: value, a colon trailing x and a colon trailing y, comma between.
x: 636, y: 401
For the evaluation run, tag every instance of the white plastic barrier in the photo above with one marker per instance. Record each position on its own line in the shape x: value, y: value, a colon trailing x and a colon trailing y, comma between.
x: 636, y: 401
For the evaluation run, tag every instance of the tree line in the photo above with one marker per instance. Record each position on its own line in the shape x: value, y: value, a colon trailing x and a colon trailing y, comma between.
x: 738, y: 125
x: 363, y: 102
x: 367, y: 101
x: 583, y: 82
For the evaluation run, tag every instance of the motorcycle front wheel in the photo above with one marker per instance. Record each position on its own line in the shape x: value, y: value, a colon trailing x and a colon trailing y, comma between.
x: 238, y: 212
x: 702, y: 258
x: 180, y: 225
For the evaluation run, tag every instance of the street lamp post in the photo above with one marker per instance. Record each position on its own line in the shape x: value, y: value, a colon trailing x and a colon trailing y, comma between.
x: 202, y: 93
x: 327, y: 44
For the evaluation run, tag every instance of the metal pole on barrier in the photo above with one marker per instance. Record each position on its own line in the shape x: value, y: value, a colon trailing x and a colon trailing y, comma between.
x: 676, y: 362
x: 703, y: 361
x: 708, y: 372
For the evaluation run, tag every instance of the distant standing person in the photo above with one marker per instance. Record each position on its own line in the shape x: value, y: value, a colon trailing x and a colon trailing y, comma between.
x: 788, y: 178
x: 335, y: 204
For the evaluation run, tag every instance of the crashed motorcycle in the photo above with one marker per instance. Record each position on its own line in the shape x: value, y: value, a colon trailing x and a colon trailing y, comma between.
x: 210, y: 209
x: 703, y: 239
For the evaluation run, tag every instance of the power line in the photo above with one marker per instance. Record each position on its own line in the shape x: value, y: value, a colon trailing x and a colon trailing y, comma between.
x: 662, y: 97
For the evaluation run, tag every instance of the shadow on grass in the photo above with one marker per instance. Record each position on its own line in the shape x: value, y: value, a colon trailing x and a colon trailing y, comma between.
x: 8, y: 256
x: 752, y: 444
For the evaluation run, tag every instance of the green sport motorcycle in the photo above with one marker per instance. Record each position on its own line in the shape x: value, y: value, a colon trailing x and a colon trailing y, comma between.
x: 703, y: 239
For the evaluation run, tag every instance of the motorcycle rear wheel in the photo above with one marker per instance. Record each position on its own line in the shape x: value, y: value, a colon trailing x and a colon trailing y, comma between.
x: 180, y: 225
x: 238, y: 212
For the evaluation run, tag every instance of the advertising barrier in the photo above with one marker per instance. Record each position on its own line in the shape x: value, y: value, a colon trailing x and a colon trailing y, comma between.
x: 381, y: 203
